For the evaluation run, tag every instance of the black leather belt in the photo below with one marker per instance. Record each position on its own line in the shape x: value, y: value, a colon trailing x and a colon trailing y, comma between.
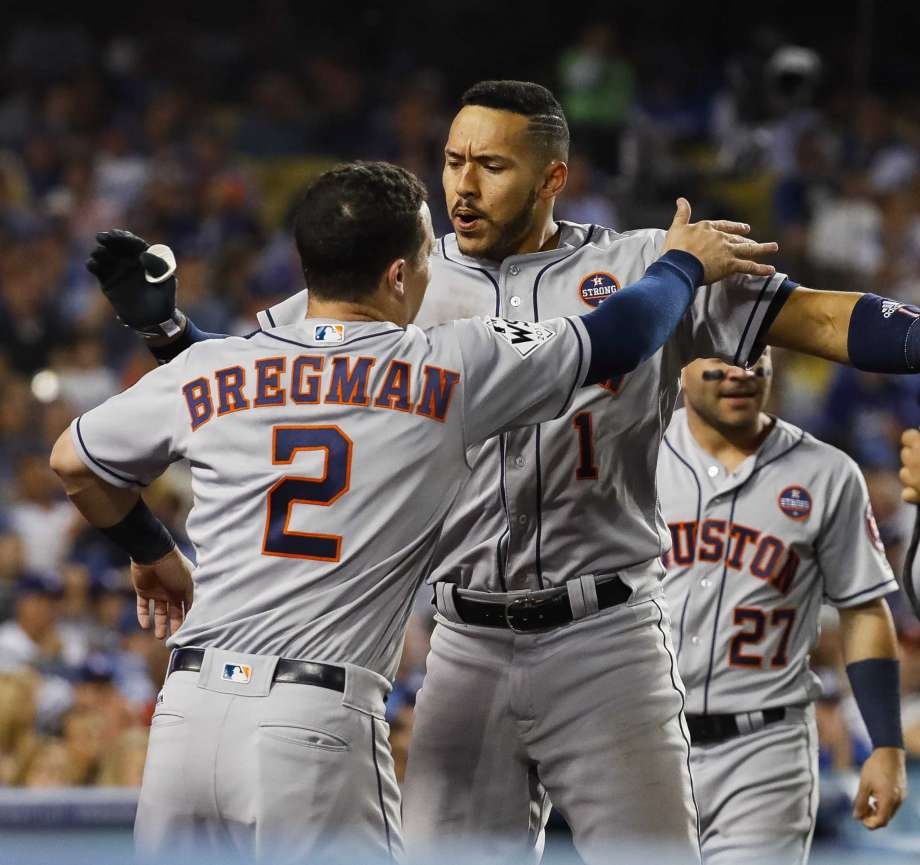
x: 287, y: 670
x: 528, y: 613
x: 708, y: 729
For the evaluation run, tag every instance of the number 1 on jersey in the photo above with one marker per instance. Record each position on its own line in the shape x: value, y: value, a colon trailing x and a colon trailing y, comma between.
x: 287, y: 442
x: 586, y: 469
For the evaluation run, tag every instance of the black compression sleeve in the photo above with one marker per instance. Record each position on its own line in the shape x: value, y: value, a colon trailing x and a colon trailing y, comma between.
x: 141, y: 535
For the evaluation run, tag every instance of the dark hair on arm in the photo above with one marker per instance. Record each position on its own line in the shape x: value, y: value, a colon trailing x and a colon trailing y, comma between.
x: 352, y: 222
x: 548, y: 125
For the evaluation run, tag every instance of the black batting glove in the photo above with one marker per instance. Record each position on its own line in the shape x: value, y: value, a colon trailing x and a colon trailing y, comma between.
x: 139, y: 281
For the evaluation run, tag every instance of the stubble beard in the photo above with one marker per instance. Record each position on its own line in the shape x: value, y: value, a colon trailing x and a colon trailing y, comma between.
x: 510, y: 235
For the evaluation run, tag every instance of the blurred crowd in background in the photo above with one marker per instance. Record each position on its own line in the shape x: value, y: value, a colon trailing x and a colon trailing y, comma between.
x: 202, y: 144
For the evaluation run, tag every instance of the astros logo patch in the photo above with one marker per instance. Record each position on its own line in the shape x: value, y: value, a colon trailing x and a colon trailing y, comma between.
x: 329, y: 333
x: 872, y: 528
x: 795, y: 502
x: 239, y: 673
x: 595, y: 288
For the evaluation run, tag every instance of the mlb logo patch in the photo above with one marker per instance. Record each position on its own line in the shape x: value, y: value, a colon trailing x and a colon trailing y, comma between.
x: 795, y: 502
x: 239, y: 673
x: 327, y: 333
x: 595, y: 288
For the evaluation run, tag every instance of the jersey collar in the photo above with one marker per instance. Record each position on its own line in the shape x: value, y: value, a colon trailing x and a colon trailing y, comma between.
x: 781, y: 438
x: 571, y: 235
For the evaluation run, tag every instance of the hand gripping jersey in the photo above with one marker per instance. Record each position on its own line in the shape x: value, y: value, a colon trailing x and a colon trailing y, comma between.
x: 324, y: 457
x: 575, y: 495
x: 754, y: 556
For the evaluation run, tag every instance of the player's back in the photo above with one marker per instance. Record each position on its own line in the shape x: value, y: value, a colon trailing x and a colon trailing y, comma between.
x: 323, y: 458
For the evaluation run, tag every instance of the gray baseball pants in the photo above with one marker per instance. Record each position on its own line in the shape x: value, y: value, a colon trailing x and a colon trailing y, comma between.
x: 758, y: 793
x: 265, y: 772
x: 588, y: 714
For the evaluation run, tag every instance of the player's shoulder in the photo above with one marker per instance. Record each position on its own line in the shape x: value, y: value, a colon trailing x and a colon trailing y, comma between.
x: 288, y: 311
x: 209, y: 350
x: 638, y: 240
x: 823, y: 458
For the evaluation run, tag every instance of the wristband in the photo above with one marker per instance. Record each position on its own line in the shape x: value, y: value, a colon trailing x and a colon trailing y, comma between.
x: 141, y: 535
x: 877, y: 690
x: 884, y: 335
x: 190, y: 334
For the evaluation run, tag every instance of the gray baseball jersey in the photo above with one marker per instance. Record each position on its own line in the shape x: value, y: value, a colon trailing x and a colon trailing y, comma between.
x: 324, y: 457
x: 575, y: 495
x: 754, y: 555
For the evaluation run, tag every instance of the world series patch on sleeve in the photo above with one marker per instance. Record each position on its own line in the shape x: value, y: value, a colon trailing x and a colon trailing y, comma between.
x: 523, y: 336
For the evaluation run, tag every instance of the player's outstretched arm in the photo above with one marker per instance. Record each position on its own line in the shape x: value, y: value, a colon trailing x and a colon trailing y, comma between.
x: 139, y: 281
x: 910, y: 466
x: 633, y: 324
x: 160, y: 573
x: 870, y: 650
x: 873, y: 333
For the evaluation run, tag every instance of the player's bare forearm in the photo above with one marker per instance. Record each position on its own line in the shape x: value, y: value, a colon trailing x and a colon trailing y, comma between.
x: 816, y: 323
x: 870, y: 650
x: 867, y: 631
x: 100, y: 503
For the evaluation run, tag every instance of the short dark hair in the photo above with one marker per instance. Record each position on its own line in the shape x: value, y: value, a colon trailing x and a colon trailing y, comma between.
x: 352, y: 222
x: 548, y: 125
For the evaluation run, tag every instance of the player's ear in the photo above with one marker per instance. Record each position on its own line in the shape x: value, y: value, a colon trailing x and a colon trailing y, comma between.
x: 396, y: 277
x: 554, y: 179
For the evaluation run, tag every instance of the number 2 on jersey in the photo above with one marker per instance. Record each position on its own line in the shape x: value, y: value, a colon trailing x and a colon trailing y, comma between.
x: 291, y: 490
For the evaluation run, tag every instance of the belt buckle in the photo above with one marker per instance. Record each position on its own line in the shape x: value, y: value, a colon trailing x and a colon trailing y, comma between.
x: 523, y: 605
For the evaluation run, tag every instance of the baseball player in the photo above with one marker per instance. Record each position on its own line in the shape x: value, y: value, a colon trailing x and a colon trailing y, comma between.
x: 325, y: 455
x: 910, y: 478
x: 767, y: 523
x: 517, y: 708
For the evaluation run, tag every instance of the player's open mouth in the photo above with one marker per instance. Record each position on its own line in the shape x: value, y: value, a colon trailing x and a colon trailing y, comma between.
x: 466, y: 220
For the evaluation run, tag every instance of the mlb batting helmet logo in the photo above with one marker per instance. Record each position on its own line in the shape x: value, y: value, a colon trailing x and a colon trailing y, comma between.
x: 795, y: 502
x: 239, y: 673
x: 329, y: 333
x: 595, y: 288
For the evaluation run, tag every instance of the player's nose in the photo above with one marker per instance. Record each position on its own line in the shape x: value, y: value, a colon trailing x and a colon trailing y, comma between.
x: 467, y: 185
x: 739, y: 372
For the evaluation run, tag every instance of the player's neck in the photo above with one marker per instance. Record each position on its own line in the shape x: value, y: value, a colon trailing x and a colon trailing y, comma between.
x: 340, y: 310
x: 543, y: 235
x: 731, y: 446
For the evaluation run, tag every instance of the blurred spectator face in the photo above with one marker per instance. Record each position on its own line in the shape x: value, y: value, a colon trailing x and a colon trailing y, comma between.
x: 164, y: 118
x: 124, y: 765
x: 36, y: 613
x: 492, y: 176
x: 56, y: 417
x: 17, y: 406
x: 17, y: 708
x: 75, y: 603
x: 35, y: 481
x: 109, y: 609
x: 727, y: 398
x: 50, y: 766
x: 12, y: 556
x: 85, y: 735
